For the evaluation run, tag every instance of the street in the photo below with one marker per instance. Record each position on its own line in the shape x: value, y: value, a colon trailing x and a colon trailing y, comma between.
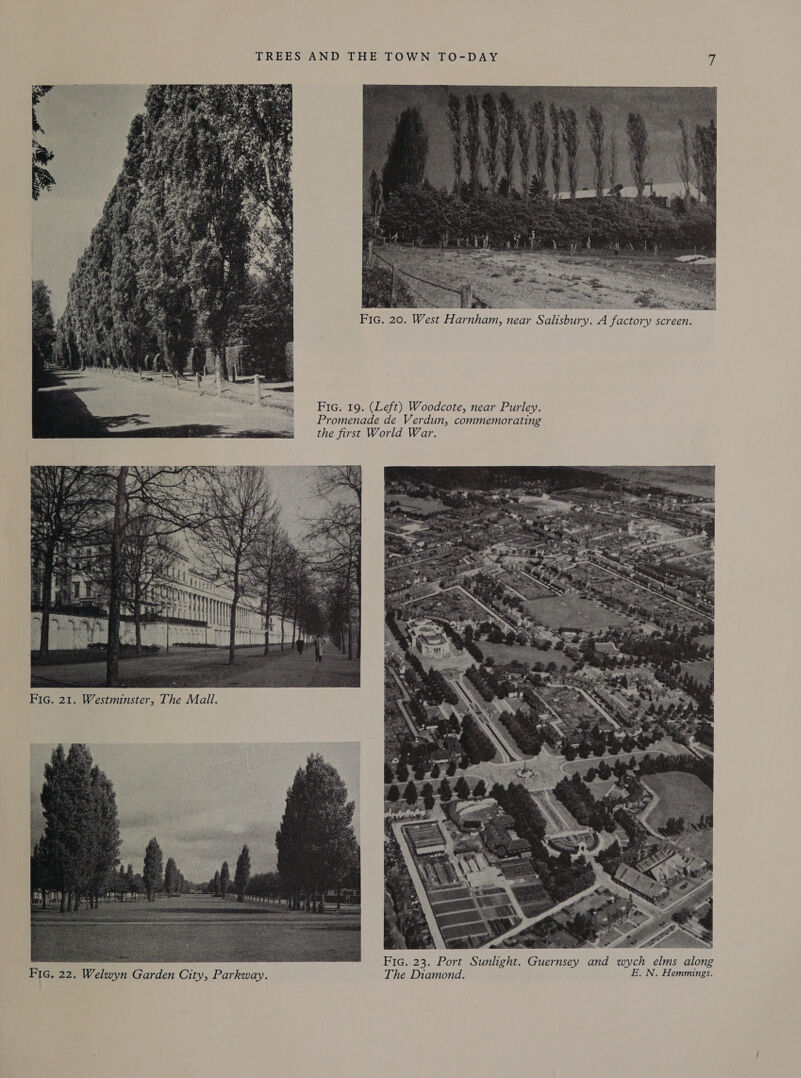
x: 208, y: 667
x: 96, y: 403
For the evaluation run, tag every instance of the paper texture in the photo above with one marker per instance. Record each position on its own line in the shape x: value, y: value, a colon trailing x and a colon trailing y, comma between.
x: 719, y: 393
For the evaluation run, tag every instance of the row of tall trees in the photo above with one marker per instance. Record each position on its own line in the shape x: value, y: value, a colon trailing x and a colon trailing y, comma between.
x: 125, y: 527
x: 77, y: 853
x: 194, y: 245
x: 507, y: 141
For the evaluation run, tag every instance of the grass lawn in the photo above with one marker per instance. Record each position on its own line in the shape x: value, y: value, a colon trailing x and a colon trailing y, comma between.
x: 194, y: 928
x: 573, y: 612
x: 680, y: 794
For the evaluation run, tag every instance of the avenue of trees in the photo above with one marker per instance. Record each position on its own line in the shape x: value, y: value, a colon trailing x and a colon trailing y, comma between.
x: 504, y: 188
x: 193, y: 250
x: 76, y: 858
x: 125, y: 528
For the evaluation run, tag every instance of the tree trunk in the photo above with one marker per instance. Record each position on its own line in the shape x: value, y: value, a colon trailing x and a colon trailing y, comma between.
x: 63, y: 902
x: 137, y: 613
x: 47, y: 584
x: 113, y: 645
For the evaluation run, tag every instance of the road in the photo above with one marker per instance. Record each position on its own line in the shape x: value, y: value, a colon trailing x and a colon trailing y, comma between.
x: 97, y: 403
x: 208, y: 667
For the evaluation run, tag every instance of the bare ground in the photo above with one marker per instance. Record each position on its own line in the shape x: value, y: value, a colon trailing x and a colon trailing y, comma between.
x: 555, y: 279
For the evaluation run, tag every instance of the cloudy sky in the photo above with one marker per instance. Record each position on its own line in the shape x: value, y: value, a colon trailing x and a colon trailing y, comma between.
x: 661, y: 108
x: 202, y: 802
x: 86, y: 129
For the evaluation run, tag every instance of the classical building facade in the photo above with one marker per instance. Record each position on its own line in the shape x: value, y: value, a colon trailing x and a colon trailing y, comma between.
x: 181, y: 606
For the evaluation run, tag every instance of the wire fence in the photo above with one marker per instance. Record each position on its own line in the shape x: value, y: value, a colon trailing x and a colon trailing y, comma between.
x: 467, y: 297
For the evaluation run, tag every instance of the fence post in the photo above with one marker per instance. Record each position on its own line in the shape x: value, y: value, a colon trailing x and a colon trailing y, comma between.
x: 393, y: 288
x: 175, y: 375
x: 198, y: 381
x: 257, y: 384
x: 467, y: 295
x: 217, y: 382
x: 369, y: 253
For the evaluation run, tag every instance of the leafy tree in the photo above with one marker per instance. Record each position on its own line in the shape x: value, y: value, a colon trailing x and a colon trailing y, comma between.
x: 523, y: 132
x: 410, y: 793
x: 595, y: 126
x: 225, y: 880
x: 455, y: 123
x: 461, y: 789
x: 444, y: 790
x: 242, y: 874
x: 492, y: 131
x: 472, y: 141
x: 393, y: 793
x: 152, y: 873
x: 41, y: 179
x: 638, y: 150
x: 316, y: 843
x: 171, y: 877
x: 507, y: 120
x: 406, y: 153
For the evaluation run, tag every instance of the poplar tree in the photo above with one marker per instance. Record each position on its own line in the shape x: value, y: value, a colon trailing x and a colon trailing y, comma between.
x: 472, y: 141
x: 242, y: 874
x: 407, y: 152
x: 152, y: 872
x: 595, y: 126
x: 638, y: 150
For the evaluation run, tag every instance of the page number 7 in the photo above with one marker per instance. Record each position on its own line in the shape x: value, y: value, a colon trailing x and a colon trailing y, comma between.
x: 711, y: 56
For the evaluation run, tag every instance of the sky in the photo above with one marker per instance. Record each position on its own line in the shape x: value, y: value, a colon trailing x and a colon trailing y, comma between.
x: 86, y: 129
x: 661, y: 108
x: 202, y: 802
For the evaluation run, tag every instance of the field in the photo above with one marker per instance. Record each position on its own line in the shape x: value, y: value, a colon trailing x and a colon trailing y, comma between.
x: 538, y: 279
x: 573, y: 612
x: 421, y: 506
x: 453, y: 605
x: 509, y: 653
x: 680, y: 794
x: 701, y: 670
x: 194, y: 928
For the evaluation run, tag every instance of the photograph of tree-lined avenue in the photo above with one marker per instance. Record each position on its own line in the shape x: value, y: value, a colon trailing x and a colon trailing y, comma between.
x: 195, y: 853
x: 195, y: 576
x: 548, y: 708
x: 162, y: 261
x: 539, y: 197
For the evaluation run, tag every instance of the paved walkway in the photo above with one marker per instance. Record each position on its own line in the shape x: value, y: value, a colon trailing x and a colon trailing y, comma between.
x: 100, y: 404
x: 208, y: 668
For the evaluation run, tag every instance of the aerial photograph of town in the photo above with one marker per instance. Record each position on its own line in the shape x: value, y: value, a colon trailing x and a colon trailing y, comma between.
x: 548, y: 709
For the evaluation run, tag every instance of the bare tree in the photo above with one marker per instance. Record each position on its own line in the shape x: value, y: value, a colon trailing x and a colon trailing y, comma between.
x: 265, y: 566
x: 64, y: 507
x: 334, y: 544
x: 638, y: 150
x: 684, y: 162
x: 240, y: 504
x: 556, y: 151
x: 612, y: 160
x: 570, y: 137
x: 595, y: 126
x: 541, y: 141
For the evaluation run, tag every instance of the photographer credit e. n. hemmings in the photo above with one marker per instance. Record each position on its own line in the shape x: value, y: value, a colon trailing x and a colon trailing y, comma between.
x: 548, y: 707
x: 539, y: 197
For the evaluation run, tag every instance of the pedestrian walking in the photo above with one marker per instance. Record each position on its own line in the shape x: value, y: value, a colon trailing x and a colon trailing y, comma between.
x: 318, y: 649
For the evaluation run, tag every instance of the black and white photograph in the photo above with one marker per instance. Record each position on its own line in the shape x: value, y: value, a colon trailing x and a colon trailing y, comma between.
x: 548, y: 712
x: 162, y: 261
x: 165, y: 853
x: 196, y: 576
x: 585, y: 197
